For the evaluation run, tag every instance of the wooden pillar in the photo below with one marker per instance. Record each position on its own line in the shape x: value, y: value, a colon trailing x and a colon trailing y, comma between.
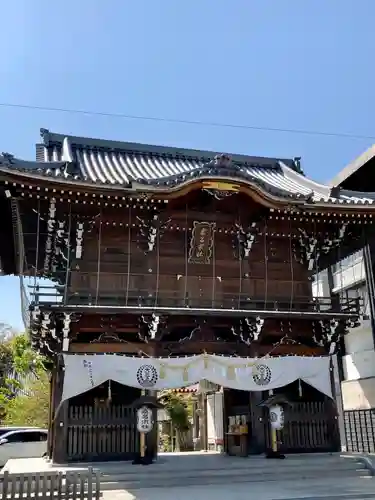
x: 257, y: 442
x: 339, y: 403
x: 60, y: 420
x: 152, y: 437
x: 335, y: 300
x: 52, y: 407
x: 202, y: 406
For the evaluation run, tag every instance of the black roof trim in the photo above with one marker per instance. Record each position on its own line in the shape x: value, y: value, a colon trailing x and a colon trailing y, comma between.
x: 353, y: 167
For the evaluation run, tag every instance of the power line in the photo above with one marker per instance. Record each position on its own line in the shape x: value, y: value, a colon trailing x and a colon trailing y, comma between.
x: 186, y: 122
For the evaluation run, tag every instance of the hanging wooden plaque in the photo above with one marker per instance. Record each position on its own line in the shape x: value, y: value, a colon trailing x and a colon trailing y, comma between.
x: 201, y: 243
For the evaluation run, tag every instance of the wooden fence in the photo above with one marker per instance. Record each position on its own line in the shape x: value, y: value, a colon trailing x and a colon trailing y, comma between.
x: 71, y: 485
x: 101, y: 433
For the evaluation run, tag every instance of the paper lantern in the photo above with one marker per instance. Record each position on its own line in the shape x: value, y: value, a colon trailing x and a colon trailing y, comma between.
x: 144, y: 419
x: 277, y: 417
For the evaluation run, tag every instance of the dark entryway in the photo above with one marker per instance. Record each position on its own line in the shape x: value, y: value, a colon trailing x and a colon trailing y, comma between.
x: 311, y: 423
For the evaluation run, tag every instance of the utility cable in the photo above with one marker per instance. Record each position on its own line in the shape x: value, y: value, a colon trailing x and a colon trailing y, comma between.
x: 185, y: 122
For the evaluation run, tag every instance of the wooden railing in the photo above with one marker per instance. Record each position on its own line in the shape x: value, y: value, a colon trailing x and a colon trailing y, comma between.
x: 135, y: 290
x: 72, y: 485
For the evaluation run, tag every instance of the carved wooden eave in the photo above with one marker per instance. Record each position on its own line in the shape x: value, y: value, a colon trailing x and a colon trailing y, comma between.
x: 50, y: 185
x: 31, y: 183
x: 236, y: 185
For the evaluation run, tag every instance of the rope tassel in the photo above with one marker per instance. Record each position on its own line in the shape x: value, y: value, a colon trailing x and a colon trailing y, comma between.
x: 231, y: 373
x: 205, y: 361
x: 162, y: 371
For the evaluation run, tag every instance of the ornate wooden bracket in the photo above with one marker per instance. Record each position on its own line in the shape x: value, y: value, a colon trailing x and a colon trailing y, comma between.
x: 244, y: 239
x: 309, y: 247
x: 152, y: 229
x: 152, y: 327
x: 248, y: 330
x: 49, y: 332
x: 59, y: 260
x: 327, y: 333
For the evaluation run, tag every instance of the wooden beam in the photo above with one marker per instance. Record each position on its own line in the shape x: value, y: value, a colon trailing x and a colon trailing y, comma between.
x: 117, y: 347
x: 191, y: 348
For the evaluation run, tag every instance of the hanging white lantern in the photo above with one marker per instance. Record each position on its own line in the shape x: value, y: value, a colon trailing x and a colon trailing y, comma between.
x: 277, y: 417
x: 144, y: 419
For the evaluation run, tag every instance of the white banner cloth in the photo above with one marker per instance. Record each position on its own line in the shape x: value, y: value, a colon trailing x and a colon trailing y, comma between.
x: 83, y: 372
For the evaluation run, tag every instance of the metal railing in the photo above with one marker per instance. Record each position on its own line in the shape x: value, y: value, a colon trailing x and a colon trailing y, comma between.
x: 360, y: 430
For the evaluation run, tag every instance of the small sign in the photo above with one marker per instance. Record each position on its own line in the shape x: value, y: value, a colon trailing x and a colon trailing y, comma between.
x: 144, y: 419
x: 221, y: 186
x: 201, y: 243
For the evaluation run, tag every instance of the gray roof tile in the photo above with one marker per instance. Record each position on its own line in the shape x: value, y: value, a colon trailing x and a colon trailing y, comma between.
x: 121, y: 164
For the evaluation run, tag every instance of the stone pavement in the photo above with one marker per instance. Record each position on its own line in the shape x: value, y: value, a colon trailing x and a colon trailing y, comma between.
x: 327, y: 489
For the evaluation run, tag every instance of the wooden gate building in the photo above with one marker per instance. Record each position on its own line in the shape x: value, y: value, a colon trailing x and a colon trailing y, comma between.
x: 157, y: 251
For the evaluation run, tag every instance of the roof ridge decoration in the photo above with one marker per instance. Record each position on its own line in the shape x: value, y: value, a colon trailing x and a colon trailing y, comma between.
x: 51, y: 169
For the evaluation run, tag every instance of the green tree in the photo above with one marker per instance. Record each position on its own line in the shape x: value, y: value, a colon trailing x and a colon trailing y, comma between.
x: 19, y: 364
x: 30, y: 409
x: 6, y: 362
x: 179, y: 409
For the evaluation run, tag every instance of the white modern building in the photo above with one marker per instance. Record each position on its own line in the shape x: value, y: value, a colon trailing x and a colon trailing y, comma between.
x: 353, y: 276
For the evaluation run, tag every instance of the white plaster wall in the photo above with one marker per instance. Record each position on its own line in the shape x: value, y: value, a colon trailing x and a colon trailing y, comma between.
x: 359, y: 361
x: 358, y: 394
x: 359, y: 339
x: 359, y: 365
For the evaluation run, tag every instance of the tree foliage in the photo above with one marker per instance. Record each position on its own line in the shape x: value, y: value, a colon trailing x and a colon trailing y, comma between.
x: 179, y: 410
x: 6, y: 362
x: 31, y: 409
x: 20, y: 368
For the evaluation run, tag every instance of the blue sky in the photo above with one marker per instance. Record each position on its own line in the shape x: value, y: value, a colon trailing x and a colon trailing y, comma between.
x: 288, y: 64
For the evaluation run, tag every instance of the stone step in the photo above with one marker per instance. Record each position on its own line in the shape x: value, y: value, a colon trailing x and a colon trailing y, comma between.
x: 231, y: 476
x: 207, y: 480
x: 151, y: 471
x: 223, y: 466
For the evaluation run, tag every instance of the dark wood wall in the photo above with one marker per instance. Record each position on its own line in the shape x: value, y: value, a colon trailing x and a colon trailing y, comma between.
x: 116, y: 262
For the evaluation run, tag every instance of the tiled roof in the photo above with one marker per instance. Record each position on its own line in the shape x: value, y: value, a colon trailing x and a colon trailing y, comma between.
x: 124, y: 164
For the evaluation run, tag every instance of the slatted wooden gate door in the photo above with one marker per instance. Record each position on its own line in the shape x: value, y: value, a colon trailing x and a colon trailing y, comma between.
x: 101, y: 433
x: 310, y: 427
